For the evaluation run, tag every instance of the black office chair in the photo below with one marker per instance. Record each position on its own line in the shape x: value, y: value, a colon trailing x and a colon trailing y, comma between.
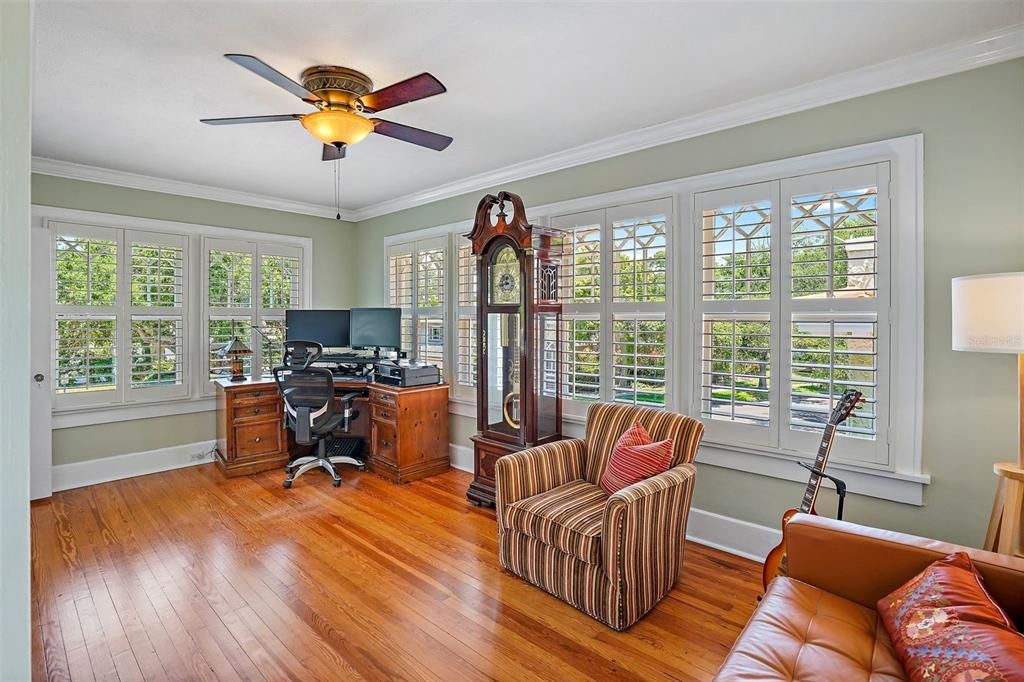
x: 310, y: 411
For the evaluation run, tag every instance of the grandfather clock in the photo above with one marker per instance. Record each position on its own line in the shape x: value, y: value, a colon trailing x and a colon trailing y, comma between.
x: 518, y: 321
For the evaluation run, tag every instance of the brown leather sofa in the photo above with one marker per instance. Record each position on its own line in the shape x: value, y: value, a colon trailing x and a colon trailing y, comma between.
x: 820, y: 623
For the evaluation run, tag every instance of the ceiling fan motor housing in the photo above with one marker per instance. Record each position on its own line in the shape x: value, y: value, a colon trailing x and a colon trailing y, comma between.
x: 337, y: 85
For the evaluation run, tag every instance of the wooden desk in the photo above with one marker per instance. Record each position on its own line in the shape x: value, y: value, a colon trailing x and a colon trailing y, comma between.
x: 404, y: 430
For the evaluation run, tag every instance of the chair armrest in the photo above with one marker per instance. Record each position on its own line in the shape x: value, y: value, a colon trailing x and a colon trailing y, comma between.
x: 644, y: 527
x: 864, y: 564
x: 536, y: 470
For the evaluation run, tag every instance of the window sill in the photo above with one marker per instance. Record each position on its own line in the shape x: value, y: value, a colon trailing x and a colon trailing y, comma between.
x: 69, y: 418
x: 903, y: 487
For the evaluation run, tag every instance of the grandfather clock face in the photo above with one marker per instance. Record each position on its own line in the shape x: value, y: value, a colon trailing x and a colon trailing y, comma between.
x: 505, y: 281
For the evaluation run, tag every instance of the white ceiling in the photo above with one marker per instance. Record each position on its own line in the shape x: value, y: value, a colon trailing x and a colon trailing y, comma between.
x: 121, y: 85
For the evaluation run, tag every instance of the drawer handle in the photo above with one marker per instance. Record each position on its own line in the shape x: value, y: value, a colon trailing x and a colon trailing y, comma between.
x: 257, y: 439
x: 385, y: 414
x: 385, y: 443
x: 256, y: 411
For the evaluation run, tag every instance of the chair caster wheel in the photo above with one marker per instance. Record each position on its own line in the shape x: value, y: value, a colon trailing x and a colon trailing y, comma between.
x: 287, y: 484
x: 336, y: 482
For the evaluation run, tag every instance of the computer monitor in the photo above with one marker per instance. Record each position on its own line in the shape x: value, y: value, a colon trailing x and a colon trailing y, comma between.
x: 329, y: 328
x: 376, y: 328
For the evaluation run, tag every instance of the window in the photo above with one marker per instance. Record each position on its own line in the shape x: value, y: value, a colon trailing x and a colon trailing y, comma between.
x: 465, y: 315
x: 615, y: 300
x: 417, y: 283
x: 85, y: 265
x: 119, y: 315
x: 791, y: 310
x: 157, y: 314
x: 249, y: 286
x: 281, y: 290
x: 124, y: 329
x: 788, y: 274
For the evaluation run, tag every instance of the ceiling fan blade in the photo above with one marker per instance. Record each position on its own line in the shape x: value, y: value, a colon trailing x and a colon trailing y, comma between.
x: 423, y: 138
x: 250, y: 119
x: 409, y: 90
x: 331, y: 152
x: 247, y: 61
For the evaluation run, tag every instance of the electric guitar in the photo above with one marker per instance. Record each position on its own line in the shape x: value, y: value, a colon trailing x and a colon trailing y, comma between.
x: 775, y: 562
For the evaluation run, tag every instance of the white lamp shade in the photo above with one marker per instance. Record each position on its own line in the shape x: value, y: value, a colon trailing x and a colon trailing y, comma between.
x: 988, y: 313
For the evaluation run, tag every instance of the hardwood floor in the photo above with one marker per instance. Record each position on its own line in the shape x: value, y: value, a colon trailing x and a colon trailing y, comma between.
x: 187, y: 575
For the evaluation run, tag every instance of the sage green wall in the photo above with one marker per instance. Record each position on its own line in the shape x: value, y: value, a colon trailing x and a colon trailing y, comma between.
x: 15, y: 240
x: 973, y: 126
x: 333, y: 287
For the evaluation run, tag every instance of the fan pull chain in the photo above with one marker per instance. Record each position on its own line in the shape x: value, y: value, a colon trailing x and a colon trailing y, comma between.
x: 337, y: 188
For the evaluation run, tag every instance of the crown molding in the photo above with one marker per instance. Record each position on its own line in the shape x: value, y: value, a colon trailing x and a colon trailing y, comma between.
x: 989, y: 48
x: 149, y: 183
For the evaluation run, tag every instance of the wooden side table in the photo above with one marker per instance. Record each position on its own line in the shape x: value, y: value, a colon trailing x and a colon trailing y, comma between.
x: 1007, y: 520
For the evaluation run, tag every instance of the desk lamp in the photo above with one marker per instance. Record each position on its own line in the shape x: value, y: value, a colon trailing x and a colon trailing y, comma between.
x: 988, y: 316
x: 236, y: 350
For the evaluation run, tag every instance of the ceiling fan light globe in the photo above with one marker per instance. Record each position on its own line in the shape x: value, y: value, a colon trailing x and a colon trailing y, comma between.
x: 334, y: 127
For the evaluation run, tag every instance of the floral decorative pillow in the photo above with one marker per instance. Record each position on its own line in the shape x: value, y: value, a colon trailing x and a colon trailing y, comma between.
x: 947, y: 628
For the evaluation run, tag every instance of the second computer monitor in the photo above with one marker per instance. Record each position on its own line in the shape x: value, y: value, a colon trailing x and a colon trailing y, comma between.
x: 376, y: 328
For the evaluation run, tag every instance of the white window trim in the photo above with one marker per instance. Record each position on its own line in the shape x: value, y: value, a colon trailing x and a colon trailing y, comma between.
x: 903, y: 481
x: 198, y: 399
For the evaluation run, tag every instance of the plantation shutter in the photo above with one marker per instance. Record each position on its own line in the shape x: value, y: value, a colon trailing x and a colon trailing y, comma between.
x: 87, y: 279
x: 230, y: 269
x: 580, y: 288
x: 735, y: 313
x: 836, y: 308
x: 638, y: 273
x: 157, y: 269
x: 281, y: 279
x: 465, y: 316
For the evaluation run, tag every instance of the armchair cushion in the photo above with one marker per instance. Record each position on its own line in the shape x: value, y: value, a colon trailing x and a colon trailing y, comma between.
x: 567, y: 517
x: 634, y: 459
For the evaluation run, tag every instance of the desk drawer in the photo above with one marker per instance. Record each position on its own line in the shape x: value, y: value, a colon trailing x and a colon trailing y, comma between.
x: 384, y: 413
x: 270, y: 408
x: 385, y: 441
x: 260, y: 395
x: 383, y: 397
x: 258, y: 439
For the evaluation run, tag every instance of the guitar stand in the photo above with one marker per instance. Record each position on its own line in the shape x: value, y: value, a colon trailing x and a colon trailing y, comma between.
x: 840, y: 487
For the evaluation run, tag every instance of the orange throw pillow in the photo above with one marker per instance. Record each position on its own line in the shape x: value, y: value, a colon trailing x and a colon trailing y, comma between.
x: 635, y: 458
x: 947, y: 628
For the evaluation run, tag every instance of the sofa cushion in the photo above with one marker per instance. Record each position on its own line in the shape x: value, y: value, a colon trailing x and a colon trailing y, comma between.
x: 804, y: 634
x: 567, y: 517
x: 945, y: 626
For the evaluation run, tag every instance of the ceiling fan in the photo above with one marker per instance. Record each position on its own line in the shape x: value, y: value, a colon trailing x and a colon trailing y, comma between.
x: 341, y: 95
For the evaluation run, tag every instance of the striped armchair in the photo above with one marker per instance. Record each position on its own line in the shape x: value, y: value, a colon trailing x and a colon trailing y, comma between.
x: 612, y: 557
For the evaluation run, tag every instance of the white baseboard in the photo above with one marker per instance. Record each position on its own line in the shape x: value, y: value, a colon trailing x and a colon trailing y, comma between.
x: 89, y: 472
x: 462, y: 457
x: 742, y: 538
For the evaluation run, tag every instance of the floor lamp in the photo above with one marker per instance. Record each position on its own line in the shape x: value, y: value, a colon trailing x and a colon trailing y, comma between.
x: 988, y: 316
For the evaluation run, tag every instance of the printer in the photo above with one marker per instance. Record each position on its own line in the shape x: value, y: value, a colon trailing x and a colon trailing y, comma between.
x: 406, y: 373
